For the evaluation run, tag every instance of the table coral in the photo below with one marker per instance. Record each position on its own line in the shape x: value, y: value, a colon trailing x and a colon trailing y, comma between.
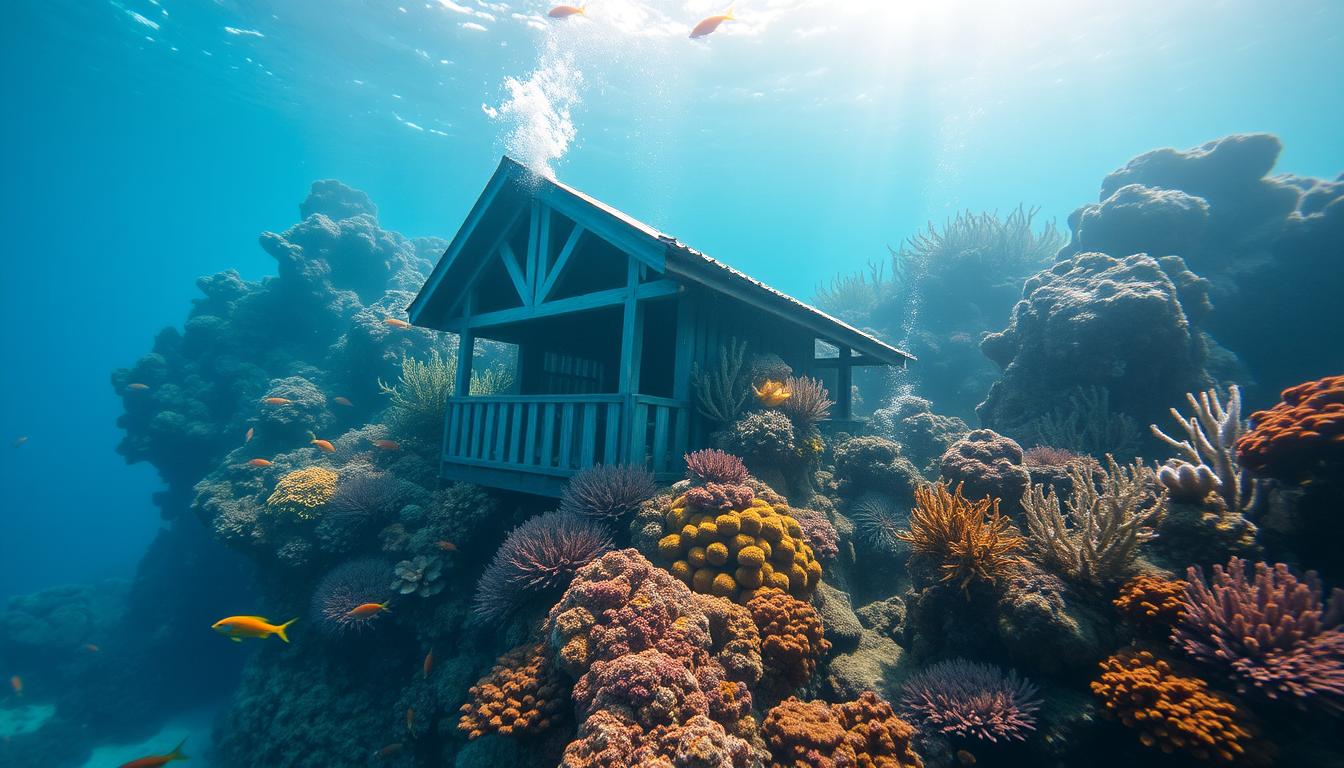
x: 1152, y: 601
x: 814, y: 734
x: 1171, y: 712
x: 1301, y: 436
x: 522, y: 694
x: 968, y: 541
x: 303, y: 491
x: 792, y: 637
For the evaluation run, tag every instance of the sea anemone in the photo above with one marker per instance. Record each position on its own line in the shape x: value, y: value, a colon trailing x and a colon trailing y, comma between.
x: 714, y: 466
x: 609, y: 491
x: 877, y: 520
x: 963, y: 698
x: 362, y: 494
x: 346, y: 587
x: 538, y: 557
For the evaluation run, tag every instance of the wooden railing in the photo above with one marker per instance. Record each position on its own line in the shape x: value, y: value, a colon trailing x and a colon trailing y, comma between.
x: 561, y: 434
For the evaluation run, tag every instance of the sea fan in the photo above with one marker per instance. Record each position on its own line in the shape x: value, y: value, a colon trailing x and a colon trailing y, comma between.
x: 967, y: 699
x: 538, y: 557
x: 608, y: 491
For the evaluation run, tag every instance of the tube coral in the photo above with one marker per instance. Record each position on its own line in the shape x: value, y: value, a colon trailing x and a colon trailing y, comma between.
x: 1300, y: 436
x: 522, y: 694
x: 608, y: 491
x: 303, y: 491
x: 813, y: 734
x: 539, y: 556
x: 963, y: 698
x: 967, y: 540
x: 1271, y: 632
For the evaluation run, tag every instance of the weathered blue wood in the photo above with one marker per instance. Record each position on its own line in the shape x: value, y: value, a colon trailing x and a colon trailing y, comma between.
x: 661, y: 401
x: 520, y: 283
x: 450, y: 432
x: 533, y: 238
x: 464, y: 443
x: 500, y: 452
x: 542, y: 251
x: 611, y: 444
x: 533, y: 481
x: 588, y: 444
x: 639, y: 435
x: 682, y: 439
x: 547, y: 435
x: 530, y: 453
x: 466, y: 350
x: 619, y: 233
x: 470, y: 282
x: 561, y: 260
x: 515, y: 441
x: 566, y: 434
x: 477, y: 418
x: 657, y: 289
x: 660, y: 445
x: 844, y: 382
x: 684, y: 351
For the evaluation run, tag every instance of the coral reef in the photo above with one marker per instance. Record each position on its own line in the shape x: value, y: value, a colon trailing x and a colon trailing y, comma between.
x: 714, y: 466
x: 924, y: 436
x: 538, y: 558
x: 1086, y: 425
x: 1151, y: 601
x: 418, y: 576
x: 1269, y: 631
x: 1208, y: 454
x: 966, y: 541
x: 970, y: 700
x: 765, y: 437
x: 303, y: 491
x: 877, y: 521
x: 1099, y: 538
x: 1049, y: 466
x: 873, y: 464
x: 813, y: 734
x: 987, y: 464
x: 608, y: 491
x: 1171, y: 712
x: 792, y: 638
x: 1300, y: 437
x: 366, y: 581
x: 808, y: 401
x: 818, y: 532
x: 722, y: 393
x: 522, y: 694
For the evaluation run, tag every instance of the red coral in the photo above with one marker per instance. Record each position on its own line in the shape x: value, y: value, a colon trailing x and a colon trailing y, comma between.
x: 792, y: 638
x: 814, y: 734
x: 522, y: 694
x: 1299, y: 437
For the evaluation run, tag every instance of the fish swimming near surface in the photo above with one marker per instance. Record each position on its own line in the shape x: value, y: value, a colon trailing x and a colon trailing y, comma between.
x: 565, y: 11
x: 276, y: 400
x: 446, y: 546
x: 247, y: 438
x: 258, y: 463
x: 395, y: 323
x: 365, y: 610
x: 137, y: 386
x: 20, y: 440
x: 153, y: 761
x: 429, y: 663
x: 708, y: 24
x: 16, y: 684
x: 387, y: 445
x: 341, y: 400
x: 324, y: 445
x: 238, y: 627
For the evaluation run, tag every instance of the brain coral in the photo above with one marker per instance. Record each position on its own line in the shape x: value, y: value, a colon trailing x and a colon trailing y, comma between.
x: 522, y: 694
x: 1300, y: 437
x: 303, y: 491
x: 814, y: 734
x: 792, y: 637
x: 988, y: 464
x: 864, y: 464
x: 1171, y: 712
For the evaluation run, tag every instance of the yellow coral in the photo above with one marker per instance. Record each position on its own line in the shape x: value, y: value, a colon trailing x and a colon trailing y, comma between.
x: 772, y: 394
x: 303, y: 491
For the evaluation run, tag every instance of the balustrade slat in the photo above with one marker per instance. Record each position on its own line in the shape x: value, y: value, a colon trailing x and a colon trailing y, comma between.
x: 477, y: 417
x: 639, y: 434
x: 548, y: 436
x: 566, y: 435
x: 489, y: 432
x: 515, y: 444
x: 611, y: 446
x: 450, y: 436
x: 530, y: 454
x: 589, y: 444
x: 501, y: 452
x: 660, y: 438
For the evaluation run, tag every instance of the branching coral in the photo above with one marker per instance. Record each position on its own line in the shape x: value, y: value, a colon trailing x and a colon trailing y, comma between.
x: 1151, y: 601
x: 970, y: 700
x: 608, y: 491
x: 304, y: 491
x: 347, y: 587
x: 1208, y: 454
x: 1171, y: 712
x: 1271, y: 632
x: 792, y: 638
x: 523, y: 694
x: 538, y: 557
x: 967, y: 540
x: 808, y: 401
x: 1099, y: 539
x: 1300, y: 437
x: 721, y: 393
x: 865, y: 733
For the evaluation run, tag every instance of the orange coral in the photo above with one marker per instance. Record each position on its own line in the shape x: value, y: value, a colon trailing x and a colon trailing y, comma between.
x: 970, y: 540
x: 1171, y: 712
x: 522, y: 694
x: 1299, y: 436
x: 865, y: 733
x: 1151, y: 601
x: 792, y: 638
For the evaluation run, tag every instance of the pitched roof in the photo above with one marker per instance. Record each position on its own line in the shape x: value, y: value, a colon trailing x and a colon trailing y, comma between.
x: 661, y: 251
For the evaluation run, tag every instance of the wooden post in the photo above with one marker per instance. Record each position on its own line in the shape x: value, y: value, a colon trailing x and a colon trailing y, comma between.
x: 632, y: 352
x: 466, y: 348
x: 844, y: 382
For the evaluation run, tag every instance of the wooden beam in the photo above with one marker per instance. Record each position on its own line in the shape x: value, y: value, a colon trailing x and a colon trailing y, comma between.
x: 834, y: 362
x: 540, y: 251
x: 844, y: 382
x: 520, y: 283
x: 684, y: 353
x: 500, y: 237
x: 632, y: 352
x: 561, y: 260
x: 658, y: 289
x: 619, y: 233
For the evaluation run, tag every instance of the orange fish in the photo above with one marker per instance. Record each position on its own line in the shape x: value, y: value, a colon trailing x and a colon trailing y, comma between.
x: 365, y: 610
x: 429, y: 663
x: 238, y: 627
x: 16, y: 683
x: 247, y: 438
x: 276, y: 400
x: 388, y: 445
x: 389, y: 750
x: 20, y: 440
x: 258, y: 463
x: 446, y: 546
x: 91, y: 648
x: 410, y: 720
x: 137, y: 386
x: 565, y: 11
x: 339, y: 400
x: 965, y: 757
x: 708, y: 24
x: 154, y: 761
x: 395, y: 323
x: 324, y: 445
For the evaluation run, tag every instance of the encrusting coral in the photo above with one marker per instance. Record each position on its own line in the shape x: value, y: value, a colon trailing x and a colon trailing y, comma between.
x: 522, y: 694
x: 303, y: 491
x: 1300, y: 437
x: 792, y: 637
x: 1171, y: 712
x: 970, y: 700
x: 864, y: 733
x: 1269, y: 631
x: 966, y: 540
x: 1151, y: 601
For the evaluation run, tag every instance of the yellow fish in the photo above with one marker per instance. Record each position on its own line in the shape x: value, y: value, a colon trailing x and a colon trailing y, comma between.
x: 238, y: 627
x: 565, y: 11
x: 772, y: 393
x: 708, y: 24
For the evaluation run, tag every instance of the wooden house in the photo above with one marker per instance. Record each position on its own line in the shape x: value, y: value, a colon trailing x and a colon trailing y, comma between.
x: 608, y: 316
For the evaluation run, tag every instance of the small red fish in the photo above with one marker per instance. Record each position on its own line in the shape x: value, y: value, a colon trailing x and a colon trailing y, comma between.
x: 565, y: 11
x: 16, y: 683
x: 410, y: 720
x: 91, y: 648
x: 387, y: 445
x: 365, y: 610
x: 137, y: 386
x: 247, y: 438
x: 20, y: 440
x: 446, y: 546
x: 429, y: 663
x: 154, y: 761
x: 324, y: 445
x: 276, y: 400
x: 395, y: 323
x: 341, y: 400
x: 258, y: 463
x: 389, y: 750
x: 708, y: 24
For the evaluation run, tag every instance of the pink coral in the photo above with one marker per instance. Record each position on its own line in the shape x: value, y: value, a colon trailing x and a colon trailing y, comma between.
x: 714, y: 466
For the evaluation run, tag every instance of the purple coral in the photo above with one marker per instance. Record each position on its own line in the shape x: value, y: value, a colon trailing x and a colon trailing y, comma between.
x: 608, y: 491
x: 346, y: 587
x: 963, y: 698
x: 539, y: 556
x: 720, y: 496
x: 818, y: 531
x: 1272, y: 632
x: 714, y: 466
